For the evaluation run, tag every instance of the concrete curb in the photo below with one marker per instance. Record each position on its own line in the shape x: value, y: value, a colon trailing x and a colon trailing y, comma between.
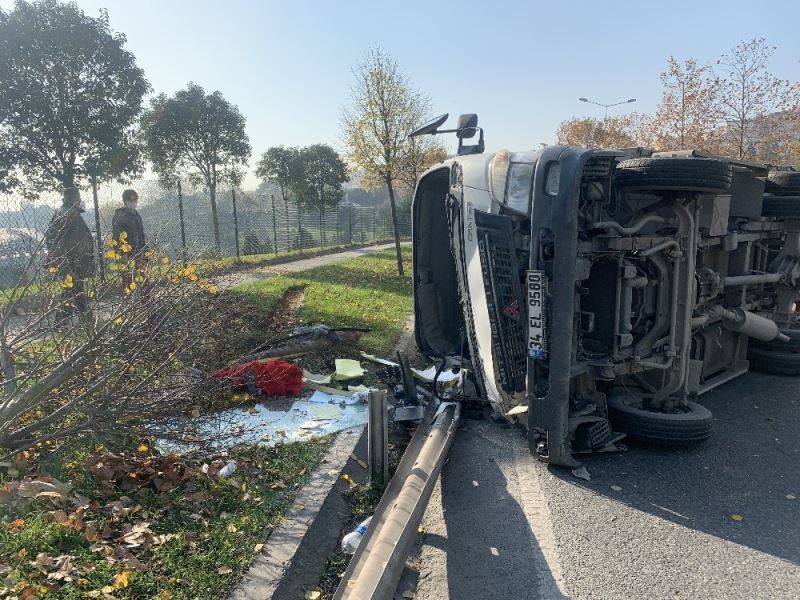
x: 266, y: 573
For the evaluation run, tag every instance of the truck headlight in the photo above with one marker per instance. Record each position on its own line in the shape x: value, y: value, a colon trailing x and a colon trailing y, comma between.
x: 510, y: 182
x: 518, y: 192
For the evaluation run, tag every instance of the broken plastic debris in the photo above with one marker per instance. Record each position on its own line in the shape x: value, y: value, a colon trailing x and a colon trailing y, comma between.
x: 316, y: 377
x: 228, y: 469
x: 583, y: 473
x: 380, y: 361
x: 320, y: 397
x: 323, y: 412
x: 347, y: 368
x: 445, y: 377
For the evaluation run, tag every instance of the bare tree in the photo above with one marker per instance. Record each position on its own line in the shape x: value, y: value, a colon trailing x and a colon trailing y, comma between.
x: 383, y: 110
x: 749, y: 94
x: 614, y: 132
x: 688, y: 115
x: 119, y: 368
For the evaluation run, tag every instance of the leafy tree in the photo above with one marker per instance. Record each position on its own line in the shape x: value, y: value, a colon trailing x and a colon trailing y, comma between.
x: 69, y: 95
x: 614, y: 132
x: 383, y: 110
x: 687, y: 116
x: 749, y: 94
x: 320, y: 185
x: 281, y: 166
x: 200, y: 135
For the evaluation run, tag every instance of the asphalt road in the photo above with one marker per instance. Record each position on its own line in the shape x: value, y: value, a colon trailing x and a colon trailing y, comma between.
x: 502, y: 525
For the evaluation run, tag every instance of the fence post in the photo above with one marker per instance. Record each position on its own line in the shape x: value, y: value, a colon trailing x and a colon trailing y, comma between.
x: 235, y: 223
x: 274, y: 225
x: 100, y: 262
x: 183, y: 225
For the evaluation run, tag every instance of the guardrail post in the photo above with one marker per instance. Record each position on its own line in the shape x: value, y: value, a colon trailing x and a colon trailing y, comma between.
x: 378, y: 434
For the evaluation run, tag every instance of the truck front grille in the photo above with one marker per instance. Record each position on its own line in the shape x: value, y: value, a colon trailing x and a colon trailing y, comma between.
x: 507, y: 315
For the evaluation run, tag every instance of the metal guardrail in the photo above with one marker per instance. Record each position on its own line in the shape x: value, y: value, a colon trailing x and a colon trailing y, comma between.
x: 376, y: 567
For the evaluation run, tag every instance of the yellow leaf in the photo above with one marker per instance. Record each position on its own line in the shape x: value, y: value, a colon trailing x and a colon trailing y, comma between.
x: 165, y: 260
x: 118, y: 321
x: 121, y: 580
x: 126, y: 247
x: 52, y: 270
x: 142, y: 448
x: 736, y: 517
x: 165, y: 595
x: 258, y: 547
x: 107, y: 589
x: 232, y: 528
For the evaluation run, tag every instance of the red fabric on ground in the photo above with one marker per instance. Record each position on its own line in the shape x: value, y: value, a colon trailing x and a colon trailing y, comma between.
x: 274, y: 378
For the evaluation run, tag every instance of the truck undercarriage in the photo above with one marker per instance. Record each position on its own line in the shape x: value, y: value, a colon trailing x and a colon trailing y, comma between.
x: 610, y: 294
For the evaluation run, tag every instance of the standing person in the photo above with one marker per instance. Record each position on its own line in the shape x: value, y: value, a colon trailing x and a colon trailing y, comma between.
x: 70, y: 247
x: 128, y: 231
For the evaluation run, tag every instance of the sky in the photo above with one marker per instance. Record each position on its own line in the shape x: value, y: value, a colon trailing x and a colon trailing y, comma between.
x: 521, y: 66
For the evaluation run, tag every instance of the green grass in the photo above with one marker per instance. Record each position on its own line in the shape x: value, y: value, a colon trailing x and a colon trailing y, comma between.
x: 359, y: 292
x: 206, y: 557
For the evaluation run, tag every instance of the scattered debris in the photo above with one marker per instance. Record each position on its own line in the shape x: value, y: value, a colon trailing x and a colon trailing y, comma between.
x: 272, y: 378
x: 347, y: 368
x: 517, y: 410
x: 305, y: 340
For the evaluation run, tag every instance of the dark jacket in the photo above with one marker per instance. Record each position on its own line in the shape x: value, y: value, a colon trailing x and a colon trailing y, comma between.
x: 70, y: 243
x: 130, y: 221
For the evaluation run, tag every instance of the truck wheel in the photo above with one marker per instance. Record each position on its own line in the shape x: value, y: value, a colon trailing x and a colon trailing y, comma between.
x: 675, y: 173
x: 689, y: 424
x: 776, y: 357
x: 783, y: 182
x: 781, y: 206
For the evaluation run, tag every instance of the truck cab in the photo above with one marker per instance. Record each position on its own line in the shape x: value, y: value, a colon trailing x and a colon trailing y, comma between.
x: 595, y: 294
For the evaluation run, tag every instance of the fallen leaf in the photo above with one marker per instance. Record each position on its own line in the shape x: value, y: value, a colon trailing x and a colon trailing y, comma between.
x: 232, y: 528
x: 165, y: 595
x: 278, y: 485
x: 224, y: 570
x: 257, y: 548
x: 616, y: 488
x: 313, y: 595
x: 121, y: 580
x: 107, y: 589
x: 736, y: 517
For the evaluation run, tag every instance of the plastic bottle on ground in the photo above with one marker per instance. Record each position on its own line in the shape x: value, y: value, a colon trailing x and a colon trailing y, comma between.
x: 351, y: 541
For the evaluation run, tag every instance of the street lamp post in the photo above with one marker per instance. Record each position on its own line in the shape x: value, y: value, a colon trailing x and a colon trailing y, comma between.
x: 607, y: 106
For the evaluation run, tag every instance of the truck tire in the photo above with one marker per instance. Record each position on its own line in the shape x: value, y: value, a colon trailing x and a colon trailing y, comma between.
x: 776, y: 357
x: 783, y: 182
x: 781, y: 206
x: 675, y: 173
x: 690, y: 425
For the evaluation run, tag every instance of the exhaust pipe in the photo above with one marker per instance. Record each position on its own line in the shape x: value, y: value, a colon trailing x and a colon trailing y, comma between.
x: 752, y: 325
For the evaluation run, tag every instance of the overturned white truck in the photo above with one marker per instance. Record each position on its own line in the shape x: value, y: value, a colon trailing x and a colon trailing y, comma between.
x: 596, y: 293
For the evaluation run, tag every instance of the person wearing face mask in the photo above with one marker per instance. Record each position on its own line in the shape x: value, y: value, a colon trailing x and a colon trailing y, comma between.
x: 70, y: 247
x: 128, y: 231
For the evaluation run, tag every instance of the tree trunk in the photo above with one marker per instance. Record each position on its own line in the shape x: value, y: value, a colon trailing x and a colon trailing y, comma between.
x: 396, y: 228
x: 212, y: 190
x: 321, y: 226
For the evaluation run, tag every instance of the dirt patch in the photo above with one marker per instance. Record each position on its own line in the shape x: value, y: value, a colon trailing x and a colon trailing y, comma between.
x: 284, y: 316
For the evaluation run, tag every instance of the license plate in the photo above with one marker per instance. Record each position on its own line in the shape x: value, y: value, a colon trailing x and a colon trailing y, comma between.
x: 536, y: 285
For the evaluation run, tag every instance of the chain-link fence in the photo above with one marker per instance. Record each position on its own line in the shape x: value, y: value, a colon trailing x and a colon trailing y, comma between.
x: 181, y: 221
